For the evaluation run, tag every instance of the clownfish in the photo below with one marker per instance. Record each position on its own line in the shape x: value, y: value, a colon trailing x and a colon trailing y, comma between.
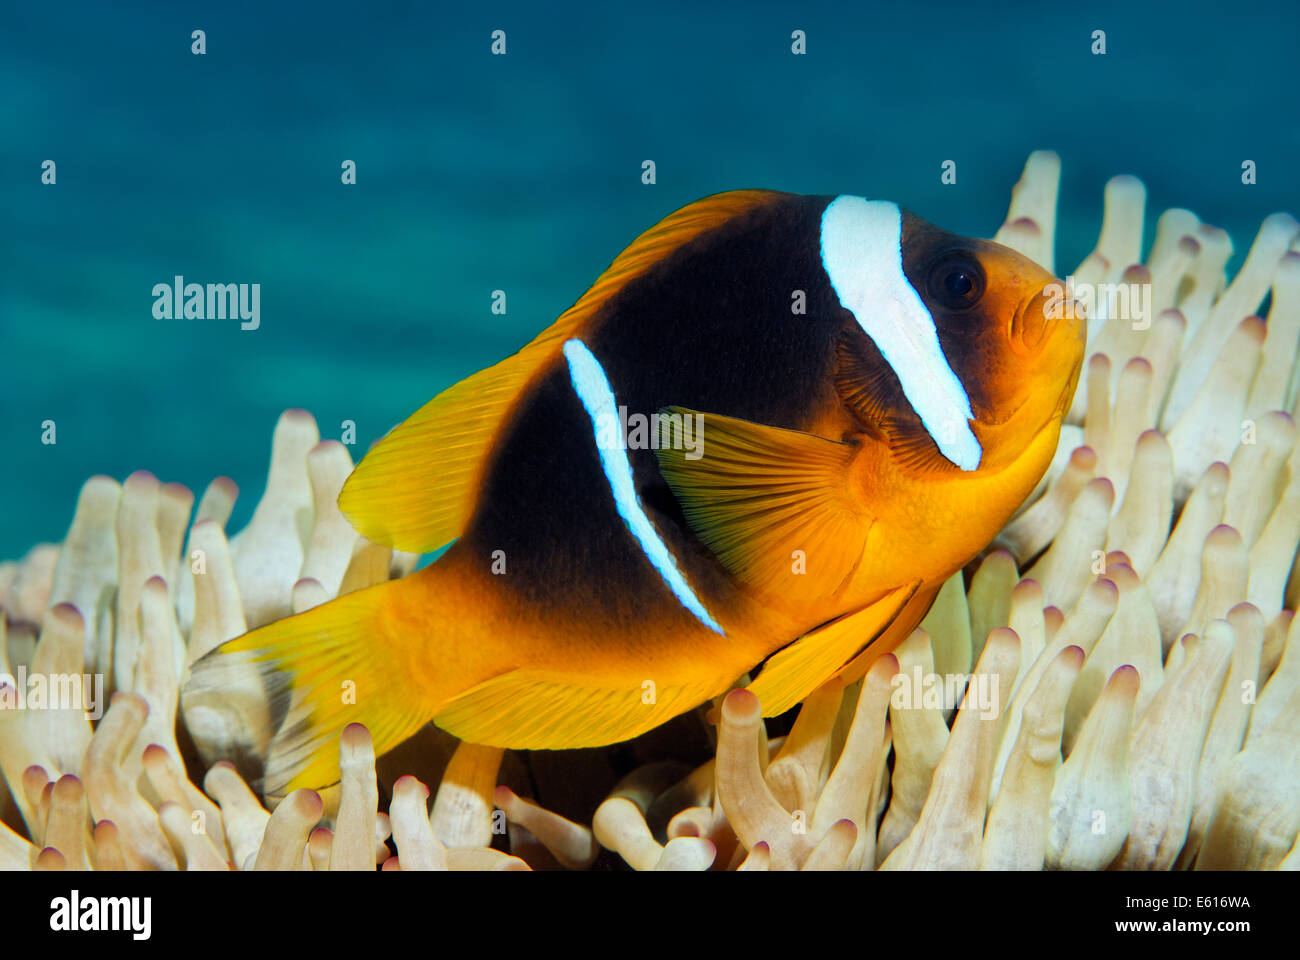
x: 758, y: 444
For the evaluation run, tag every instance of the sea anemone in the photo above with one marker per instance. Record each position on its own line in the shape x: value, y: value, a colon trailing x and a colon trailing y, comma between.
x: 1124, y: 654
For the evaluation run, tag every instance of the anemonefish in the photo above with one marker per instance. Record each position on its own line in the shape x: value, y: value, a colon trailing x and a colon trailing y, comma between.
x: 845, y: 405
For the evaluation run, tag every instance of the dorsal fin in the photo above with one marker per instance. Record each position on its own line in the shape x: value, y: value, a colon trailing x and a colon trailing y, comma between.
x: 416, y: 489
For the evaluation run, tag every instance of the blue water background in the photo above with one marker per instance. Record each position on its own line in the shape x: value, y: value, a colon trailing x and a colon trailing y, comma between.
x: 521, y: 173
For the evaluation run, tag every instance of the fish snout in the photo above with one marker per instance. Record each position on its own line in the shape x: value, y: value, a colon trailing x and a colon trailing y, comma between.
x: 1052, y: 310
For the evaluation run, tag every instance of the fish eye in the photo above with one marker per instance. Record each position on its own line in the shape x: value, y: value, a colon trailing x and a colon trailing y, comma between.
x: 956, y: 281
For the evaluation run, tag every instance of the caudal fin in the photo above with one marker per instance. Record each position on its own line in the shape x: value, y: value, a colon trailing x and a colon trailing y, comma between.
x: 347, y: 661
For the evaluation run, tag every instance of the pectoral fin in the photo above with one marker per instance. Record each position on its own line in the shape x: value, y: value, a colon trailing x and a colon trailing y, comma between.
x: 773, y: 505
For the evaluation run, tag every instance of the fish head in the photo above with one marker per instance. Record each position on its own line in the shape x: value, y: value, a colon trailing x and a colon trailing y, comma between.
x: 1006, y: 326
x: 959, y: 351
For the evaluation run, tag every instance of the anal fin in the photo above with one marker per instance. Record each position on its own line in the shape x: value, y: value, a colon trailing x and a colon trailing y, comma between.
x: 532, y: 709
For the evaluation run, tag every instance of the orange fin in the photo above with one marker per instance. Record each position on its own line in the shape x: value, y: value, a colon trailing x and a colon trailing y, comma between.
x: 908, y: 619
x: 339, y: 663
x: 759, y: 495
x: 532, y: 709
x: 791, y: 674
x: 416, y: 489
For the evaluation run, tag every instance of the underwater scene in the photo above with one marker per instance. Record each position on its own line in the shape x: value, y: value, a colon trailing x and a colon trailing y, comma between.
x: 751, y: 437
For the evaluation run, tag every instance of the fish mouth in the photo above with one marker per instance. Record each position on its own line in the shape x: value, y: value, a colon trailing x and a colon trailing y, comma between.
x: 1047, y: 332
x: 1041, y: 315
x: 1067, y: 391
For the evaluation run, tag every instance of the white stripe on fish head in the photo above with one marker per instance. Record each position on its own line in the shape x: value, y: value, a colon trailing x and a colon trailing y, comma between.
x: 862, y: 253
x: 593, y: 389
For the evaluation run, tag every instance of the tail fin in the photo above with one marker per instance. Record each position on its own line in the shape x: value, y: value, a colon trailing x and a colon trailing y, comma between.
x: 347, y: 661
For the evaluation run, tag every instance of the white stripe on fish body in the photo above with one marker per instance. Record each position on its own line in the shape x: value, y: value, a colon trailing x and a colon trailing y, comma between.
x: 593, y: 389
x: 862, y: 253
